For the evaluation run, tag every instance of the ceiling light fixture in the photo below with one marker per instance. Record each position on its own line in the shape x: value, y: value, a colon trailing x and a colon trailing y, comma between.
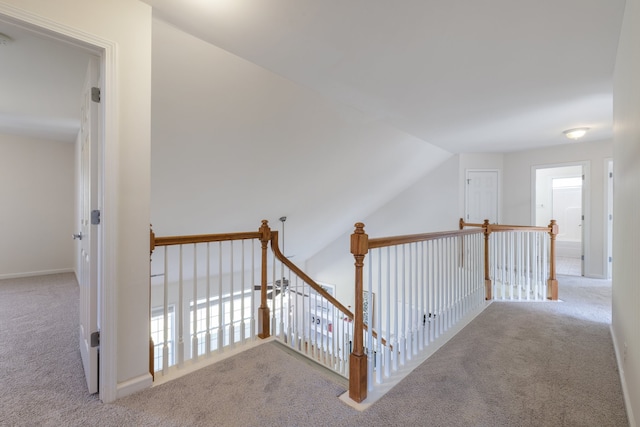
x: 576, y: 133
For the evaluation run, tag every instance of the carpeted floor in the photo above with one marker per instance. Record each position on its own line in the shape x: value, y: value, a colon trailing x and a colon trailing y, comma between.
x: 516, y: 364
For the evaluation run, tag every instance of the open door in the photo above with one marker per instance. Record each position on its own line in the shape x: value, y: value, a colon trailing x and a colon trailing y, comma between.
x: 89, y: 221
x: 560, y: 194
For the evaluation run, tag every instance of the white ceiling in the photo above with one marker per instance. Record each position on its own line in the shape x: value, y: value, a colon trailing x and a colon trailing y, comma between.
x: 40, y: 85
x: 472, y: 76
x: 468, y: 76
x: 494, y: 75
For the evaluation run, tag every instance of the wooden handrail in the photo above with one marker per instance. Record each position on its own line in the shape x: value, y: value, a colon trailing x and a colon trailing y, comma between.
x: 501, y: 227
x: 203, y: 238
x: 309, y: 281
x: 381, y: 242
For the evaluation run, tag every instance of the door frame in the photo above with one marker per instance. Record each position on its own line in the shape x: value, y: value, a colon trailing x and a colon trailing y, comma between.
x: 105, y: 50
x: 586, y: 203
x: 608, y: 209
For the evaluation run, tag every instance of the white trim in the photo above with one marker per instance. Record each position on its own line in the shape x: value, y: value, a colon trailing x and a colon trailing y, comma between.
x: 586, y: 206
x: 36, y: 273
x: 623, y: 382
x: 108, y: 188
x: 134, y: 385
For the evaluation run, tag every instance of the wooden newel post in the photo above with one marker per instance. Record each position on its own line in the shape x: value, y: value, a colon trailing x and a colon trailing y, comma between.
x: 552, y: 283
x: 487, y: 278
x: 357, y: 359
x: 152, y: 246
x: 264, y: 329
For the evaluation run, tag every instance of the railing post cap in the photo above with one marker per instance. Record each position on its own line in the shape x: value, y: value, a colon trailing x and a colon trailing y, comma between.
x: 265, y: 230
x: 359, y: 240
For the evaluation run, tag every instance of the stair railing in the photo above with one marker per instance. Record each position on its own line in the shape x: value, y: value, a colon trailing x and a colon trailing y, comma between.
x: 519, y: 261
x: 203, y: 300
x: 415, y: 288
x: 307, y: 317
x: 202, y: 295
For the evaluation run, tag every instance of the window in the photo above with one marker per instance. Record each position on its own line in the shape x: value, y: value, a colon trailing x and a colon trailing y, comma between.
x: 157, y: 335
x: 233, y: 316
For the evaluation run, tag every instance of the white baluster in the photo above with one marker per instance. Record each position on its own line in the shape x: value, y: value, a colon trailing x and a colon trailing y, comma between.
x: 207, y: 335
x: 194, y: 337
x: 370, y: 345
x: 252, y: 294
x: 165, y: 313
x: 396, y: 313
x: 387, y: 350
x: 220, y: 302
x: 378, y: 314
x: 180, y: 315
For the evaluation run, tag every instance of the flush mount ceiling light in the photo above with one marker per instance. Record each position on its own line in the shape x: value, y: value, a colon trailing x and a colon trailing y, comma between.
x: 576, y: 133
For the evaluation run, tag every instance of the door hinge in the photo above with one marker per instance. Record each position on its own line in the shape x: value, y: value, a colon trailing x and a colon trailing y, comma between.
x: 95, y: 217
x: 610, y: 259
x: 95, y: 94
x: 95, y: 339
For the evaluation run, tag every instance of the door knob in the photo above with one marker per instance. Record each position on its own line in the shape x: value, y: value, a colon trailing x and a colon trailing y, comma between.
x: 77, y: 236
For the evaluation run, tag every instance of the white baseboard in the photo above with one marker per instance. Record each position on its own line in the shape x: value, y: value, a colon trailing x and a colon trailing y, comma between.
x: 623, y: 382
x: 134, y: 385
x: 35, y: 273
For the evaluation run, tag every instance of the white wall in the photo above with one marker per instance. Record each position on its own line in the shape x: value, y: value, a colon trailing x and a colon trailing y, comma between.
x: 37, y: 213
x: 626, y: 233
x: 128, y: 24
x: 518, y: 189
x: 234, y: 143
x: 430, y: 204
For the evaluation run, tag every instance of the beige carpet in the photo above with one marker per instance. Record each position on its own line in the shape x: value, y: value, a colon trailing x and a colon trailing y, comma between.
x: 517, y: 364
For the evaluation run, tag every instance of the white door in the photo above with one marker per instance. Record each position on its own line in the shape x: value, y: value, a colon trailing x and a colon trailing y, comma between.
x: 481, y: 194
x: 88, y: 237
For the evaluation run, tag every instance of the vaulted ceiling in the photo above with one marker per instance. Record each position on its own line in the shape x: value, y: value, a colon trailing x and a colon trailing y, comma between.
x: 468, y: 76
x: 460, y: 76
x: 495, y: 75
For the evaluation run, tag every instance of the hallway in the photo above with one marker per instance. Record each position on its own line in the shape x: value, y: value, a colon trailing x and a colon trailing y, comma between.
x: 542, y: 364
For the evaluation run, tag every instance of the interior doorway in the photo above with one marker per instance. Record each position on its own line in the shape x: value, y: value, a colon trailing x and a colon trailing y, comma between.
x: 41, y: 46
x: 559, y: 195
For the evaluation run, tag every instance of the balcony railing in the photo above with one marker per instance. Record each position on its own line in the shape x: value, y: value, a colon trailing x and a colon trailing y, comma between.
x: 413, y: 289
x: 520, y: 261
x: 216, y: 291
